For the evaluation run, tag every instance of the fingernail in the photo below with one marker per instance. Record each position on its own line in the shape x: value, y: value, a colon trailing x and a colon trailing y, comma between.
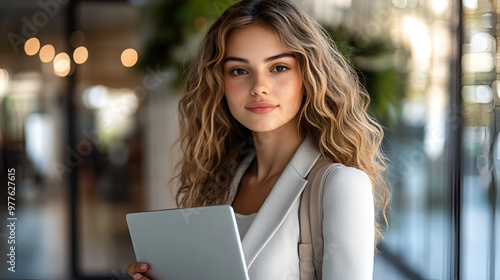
x: 143, y: 266
x: 137, y: 276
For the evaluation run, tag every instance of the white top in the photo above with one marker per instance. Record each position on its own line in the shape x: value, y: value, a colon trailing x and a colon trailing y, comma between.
x: 270, y: 244
x: 244, y: 222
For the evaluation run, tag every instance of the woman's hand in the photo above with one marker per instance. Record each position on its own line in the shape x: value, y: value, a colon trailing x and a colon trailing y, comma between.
x: 137, y: 269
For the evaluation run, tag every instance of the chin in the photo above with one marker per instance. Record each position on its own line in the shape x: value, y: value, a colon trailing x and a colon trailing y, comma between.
x: 260, y: 127
x: 265, y: 128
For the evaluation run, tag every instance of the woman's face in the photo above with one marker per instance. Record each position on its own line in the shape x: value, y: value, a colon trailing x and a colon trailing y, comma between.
x: 262, y: 80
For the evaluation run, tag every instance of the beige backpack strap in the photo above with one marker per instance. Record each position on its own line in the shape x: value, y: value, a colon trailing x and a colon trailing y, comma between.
x: 311, y: 222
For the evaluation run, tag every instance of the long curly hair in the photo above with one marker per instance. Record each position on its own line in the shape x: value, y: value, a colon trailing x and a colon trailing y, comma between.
x: 334, y: 112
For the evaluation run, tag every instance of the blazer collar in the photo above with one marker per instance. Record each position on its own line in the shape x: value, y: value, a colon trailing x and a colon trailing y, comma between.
x: 278, y: 204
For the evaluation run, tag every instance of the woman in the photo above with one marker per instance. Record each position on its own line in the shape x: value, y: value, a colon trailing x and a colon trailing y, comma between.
x: 266, y: 96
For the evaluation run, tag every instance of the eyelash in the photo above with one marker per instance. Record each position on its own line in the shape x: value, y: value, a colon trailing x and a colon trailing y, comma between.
x: 283, y: 66
x: 284, y: 69
x: 233, y: 72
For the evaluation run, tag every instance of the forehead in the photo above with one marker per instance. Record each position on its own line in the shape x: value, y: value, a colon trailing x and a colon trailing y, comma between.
x: 253, y: 41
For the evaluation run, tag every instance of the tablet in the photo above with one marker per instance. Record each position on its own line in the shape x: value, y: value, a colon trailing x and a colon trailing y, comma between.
x: 188, y: 244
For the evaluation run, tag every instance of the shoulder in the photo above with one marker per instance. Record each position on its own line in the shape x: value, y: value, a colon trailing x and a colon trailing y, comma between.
x: 347, y: 187
x: 347, y: 179
x: 347, y: 193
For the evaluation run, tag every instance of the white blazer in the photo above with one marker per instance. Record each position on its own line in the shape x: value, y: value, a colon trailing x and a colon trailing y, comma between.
x: 270, y: 245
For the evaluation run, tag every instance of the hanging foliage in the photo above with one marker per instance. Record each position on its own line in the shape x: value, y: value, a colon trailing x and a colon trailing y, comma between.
x: 375, y: 60
x: 172, y: 23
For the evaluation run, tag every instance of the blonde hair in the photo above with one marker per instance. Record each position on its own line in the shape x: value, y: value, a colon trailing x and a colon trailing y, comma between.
x: 334, y: 112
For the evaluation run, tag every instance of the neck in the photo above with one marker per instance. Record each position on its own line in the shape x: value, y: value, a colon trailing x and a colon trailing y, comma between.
x: 274, y: 149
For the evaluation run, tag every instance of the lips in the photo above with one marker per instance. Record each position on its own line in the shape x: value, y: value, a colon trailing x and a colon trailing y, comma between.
x: 261, y: 107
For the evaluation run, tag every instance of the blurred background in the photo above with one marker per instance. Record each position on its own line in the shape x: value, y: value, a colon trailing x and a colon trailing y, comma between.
x: 88, y: 94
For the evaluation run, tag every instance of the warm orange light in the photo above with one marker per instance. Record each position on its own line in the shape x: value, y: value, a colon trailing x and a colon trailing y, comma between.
x: 129, y: 57
x: 47, y: 53
x: 32, y: 46
x: 62, y: 64
x: 80, y: 55
x: 200, y: 23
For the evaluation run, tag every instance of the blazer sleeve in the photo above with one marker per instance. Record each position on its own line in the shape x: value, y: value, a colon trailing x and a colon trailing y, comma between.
x: 348, y: 225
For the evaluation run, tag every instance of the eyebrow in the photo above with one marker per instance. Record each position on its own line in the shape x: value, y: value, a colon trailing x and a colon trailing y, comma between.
x: 275, y: 57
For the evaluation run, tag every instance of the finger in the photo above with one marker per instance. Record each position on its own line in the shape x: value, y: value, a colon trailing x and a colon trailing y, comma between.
x: 136, y: 267
x: 139, y: 276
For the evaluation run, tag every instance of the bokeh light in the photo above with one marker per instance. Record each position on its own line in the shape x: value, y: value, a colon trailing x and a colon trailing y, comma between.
x: 200, y: 23
x: 482, y: 42
x: 418, y: 39
x: 471, y: 4
x: 478, y: 62
x: 400, y: 3
x: 4, y: 80
x: 130, y: 102
x: 481, y: 94
x: 62, y: 64
x: 32, y: 46
x: 95, y: 97
x: 129, y: 57
x: 47, y: 53
x: 80, y: 55
x: 440, y: 7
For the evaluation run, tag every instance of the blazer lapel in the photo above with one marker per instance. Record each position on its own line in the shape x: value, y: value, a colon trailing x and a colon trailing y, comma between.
x: 275, y: 209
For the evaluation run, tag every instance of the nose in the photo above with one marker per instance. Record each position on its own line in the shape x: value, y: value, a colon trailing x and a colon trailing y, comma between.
x: 260, y: 84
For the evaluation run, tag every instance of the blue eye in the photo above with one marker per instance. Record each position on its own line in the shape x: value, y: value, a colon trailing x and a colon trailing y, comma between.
x: 280, y: 69
x: 238, y: 72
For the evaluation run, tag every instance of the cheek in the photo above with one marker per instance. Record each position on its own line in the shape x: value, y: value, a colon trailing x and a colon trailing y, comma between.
x: 229, y: 93
x: 233, y: 97
x: 235, y: 90
x: 296, y: 88
x: 231, y: 87
x: 228, y: 89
